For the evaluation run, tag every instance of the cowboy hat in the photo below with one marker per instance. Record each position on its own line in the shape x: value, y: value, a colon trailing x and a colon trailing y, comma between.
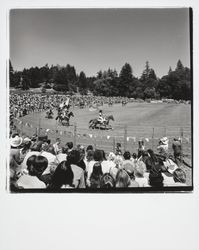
x: 164, y: 140
x: 16, y: 141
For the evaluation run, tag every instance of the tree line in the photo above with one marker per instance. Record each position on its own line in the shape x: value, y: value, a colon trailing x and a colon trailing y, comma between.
x: 175, y: 85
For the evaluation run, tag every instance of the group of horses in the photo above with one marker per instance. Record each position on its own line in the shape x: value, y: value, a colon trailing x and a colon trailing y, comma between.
x: 63, y: 117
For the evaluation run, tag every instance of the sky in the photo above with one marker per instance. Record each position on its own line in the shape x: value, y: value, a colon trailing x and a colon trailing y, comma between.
x: 98, y: 39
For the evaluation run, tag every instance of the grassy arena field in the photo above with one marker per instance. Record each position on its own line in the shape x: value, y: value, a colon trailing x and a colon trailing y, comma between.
x: 143, y: 120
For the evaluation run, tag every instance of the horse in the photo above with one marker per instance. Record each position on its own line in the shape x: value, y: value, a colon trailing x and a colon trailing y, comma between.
x: 49, y: 114
x: 64, y: 120
x: 124, y: 103
x: 110, y: 104
x: 94, y: 123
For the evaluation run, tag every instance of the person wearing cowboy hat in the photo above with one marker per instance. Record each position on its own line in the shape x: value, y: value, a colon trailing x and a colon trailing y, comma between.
x: 163, y: 146
x: 15, y: 143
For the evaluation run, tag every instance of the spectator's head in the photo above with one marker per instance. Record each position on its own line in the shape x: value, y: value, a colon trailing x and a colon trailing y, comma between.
x: 90, y: 155
x: 58, y: 140
x: 179, y: 175
x: 111, y: 156
x: 15, y: 141
x: 63, y: 175
x: 118, y: 161
x: 122, y: 179
x: 96, y: 175
x: 48, y: 141
x: 90, y: 147
x: 140, y: 169
x: 37, y: 146
x: 50, y: 149
x: 127, y: 155
x: 37, y: 165
x: 107, y: 181
x: 156, y: 179
x: 74, y: 156
x: 69, y: 145
x: 103, y: 155
x: 134, y: 155
x: 98, y: 155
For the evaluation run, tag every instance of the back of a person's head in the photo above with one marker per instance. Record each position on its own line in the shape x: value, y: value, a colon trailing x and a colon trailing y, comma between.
x: 103, y: 155
x: 179, y: 175
x: 90, y: 155
x: 134, y: 155
x: 122, y: 179
x: 155, y: 177
x: 97, y: 169
x: 63, y: 175
x: 50, y: 149
x: 69, y: 145
x: 107, y: 181
x: 74, y: 156
x: 98, y: 155
x: 140, y: 169
x: 38, y: 165
x: 127, y: 155
x: 90, y: 147
x: 96, y: 175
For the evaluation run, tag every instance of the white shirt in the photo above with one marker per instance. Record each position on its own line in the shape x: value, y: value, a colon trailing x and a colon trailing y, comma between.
x: 28, y: 181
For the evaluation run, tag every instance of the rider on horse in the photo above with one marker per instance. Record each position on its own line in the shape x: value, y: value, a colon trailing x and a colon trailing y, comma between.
x: 101, y: 117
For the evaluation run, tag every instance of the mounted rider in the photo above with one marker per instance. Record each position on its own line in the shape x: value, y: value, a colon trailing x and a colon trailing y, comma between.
x: 101, y: 118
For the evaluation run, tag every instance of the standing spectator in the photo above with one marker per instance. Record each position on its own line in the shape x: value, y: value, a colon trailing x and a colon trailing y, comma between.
x: 57, y: 147
x: 177, y: 150
x: 163, y: 146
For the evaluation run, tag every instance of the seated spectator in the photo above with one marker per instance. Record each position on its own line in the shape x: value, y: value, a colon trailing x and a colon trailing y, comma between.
x: 69, y: 146
x: 179, y: 177
x: 62, y: 177
x: 122, y: 179
x: 81, y: 162
x: 15, y: 143
x: 107, y: 181
x: 35, y: 166
x: 177, y: 150
x: 57, y: 146
x: 128, y: 164
x: 140, y: 170
x: 97, y: 157
x: 73, y: 158
x: 134, y: 156
x: 96, y: 176
x: 155, y: 177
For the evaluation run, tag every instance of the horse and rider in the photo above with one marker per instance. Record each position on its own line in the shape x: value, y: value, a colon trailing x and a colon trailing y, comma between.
x: 102, y: 122
x: 49, y: 113
x: 64, y: 114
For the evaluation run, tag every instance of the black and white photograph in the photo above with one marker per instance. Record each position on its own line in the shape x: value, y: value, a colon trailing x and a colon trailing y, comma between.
x: 99, y: 125
x: 100, y: 100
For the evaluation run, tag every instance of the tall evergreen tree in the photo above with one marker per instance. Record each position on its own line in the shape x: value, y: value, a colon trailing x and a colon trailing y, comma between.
x: 83, y: 86
x: 125, y: 79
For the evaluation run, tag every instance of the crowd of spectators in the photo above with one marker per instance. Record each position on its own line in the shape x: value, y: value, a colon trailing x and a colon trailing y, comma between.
x: 37, y: 163
x: 23, y: 104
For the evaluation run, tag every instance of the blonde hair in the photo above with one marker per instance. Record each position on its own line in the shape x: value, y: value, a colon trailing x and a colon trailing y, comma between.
x: 140, y: 169
x: 122, y: 179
